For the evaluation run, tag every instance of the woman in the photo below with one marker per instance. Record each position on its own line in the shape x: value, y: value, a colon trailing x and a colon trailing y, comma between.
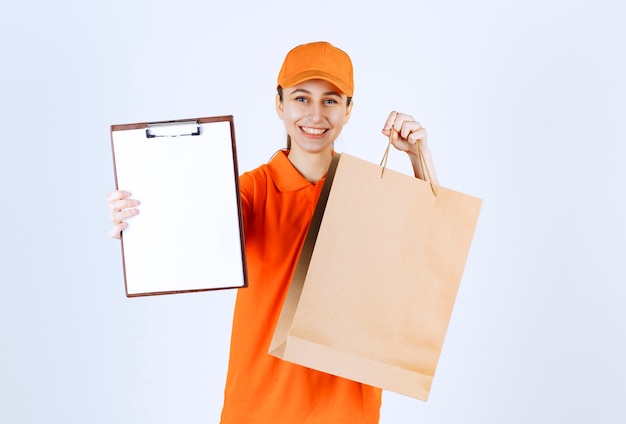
x: 314, y: 100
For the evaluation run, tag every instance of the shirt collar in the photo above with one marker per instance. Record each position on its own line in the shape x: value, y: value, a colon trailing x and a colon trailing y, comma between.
x: 285, y: 175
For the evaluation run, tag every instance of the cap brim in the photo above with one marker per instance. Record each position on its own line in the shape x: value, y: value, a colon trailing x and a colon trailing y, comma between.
x: 311, y: 75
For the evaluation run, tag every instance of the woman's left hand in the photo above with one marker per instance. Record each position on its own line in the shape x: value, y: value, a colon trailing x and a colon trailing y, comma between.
x: 409, y: 131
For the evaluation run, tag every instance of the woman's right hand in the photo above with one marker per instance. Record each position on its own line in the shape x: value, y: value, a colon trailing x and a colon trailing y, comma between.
x: 122, y: 208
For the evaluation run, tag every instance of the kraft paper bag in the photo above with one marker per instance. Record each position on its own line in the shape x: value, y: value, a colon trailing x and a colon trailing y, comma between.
x: 377, y: 278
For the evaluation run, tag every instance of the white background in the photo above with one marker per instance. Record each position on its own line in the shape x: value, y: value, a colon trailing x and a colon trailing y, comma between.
x: 524, y: 102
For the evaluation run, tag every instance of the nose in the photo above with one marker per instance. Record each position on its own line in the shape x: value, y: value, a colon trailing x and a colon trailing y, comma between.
x: 315, y: 112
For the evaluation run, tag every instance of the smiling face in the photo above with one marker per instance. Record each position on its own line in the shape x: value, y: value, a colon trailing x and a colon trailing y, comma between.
x: 314, y: 113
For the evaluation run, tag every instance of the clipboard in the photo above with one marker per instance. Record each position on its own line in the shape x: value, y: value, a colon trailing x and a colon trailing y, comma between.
x: 188, y: 234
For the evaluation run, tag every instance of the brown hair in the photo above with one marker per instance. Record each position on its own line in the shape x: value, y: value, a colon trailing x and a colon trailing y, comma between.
x: 280, y: 97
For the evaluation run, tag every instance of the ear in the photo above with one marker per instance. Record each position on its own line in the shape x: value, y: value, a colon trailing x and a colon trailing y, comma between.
x: 279, y: 107
x: 348, y: 112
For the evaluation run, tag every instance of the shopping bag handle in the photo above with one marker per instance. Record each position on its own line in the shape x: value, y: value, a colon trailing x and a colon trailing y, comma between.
x: 393, y: 135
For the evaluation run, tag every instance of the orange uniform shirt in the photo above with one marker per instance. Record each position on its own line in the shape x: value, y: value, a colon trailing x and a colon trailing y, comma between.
x: 278, y: 205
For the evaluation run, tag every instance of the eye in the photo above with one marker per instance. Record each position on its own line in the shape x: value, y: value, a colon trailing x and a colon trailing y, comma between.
x: 300, y: 99
x: 330, y: 101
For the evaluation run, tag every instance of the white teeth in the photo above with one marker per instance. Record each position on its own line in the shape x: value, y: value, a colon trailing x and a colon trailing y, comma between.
x: 313, y: 131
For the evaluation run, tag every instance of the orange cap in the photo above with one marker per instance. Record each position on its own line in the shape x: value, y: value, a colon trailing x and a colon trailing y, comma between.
x: 318, y: 60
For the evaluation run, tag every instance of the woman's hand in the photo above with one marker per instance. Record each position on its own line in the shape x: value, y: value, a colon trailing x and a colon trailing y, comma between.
x: 122, y: 207
x: 410, y: 132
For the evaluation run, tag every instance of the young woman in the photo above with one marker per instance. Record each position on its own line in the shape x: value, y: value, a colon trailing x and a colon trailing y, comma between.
x: 314, y: 100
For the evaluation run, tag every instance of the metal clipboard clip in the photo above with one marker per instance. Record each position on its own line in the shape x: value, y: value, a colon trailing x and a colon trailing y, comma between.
x: 172, y: 129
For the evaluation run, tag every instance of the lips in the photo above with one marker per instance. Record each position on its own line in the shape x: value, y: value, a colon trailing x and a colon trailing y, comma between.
x: 313, y: 131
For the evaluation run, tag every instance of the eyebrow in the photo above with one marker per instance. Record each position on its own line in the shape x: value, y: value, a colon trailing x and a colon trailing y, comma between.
x: 328, y: 93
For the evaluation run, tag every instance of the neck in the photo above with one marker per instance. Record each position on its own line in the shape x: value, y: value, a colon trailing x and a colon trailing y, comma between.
x: 312, y: 166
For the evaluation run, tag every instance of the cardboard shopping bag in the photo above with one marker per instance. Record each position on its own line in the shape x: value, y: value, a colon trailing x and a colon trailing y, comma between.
x: 377, y: 278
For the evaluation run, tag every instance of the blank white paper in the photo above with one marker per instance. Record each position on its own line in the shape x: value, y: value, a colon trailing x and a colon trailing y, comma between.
x: 187, y: 234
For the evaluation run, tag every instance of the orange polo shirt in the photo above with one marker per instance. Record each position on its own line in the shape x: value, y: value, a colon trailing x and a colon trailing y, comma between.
x: 278, y: 205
